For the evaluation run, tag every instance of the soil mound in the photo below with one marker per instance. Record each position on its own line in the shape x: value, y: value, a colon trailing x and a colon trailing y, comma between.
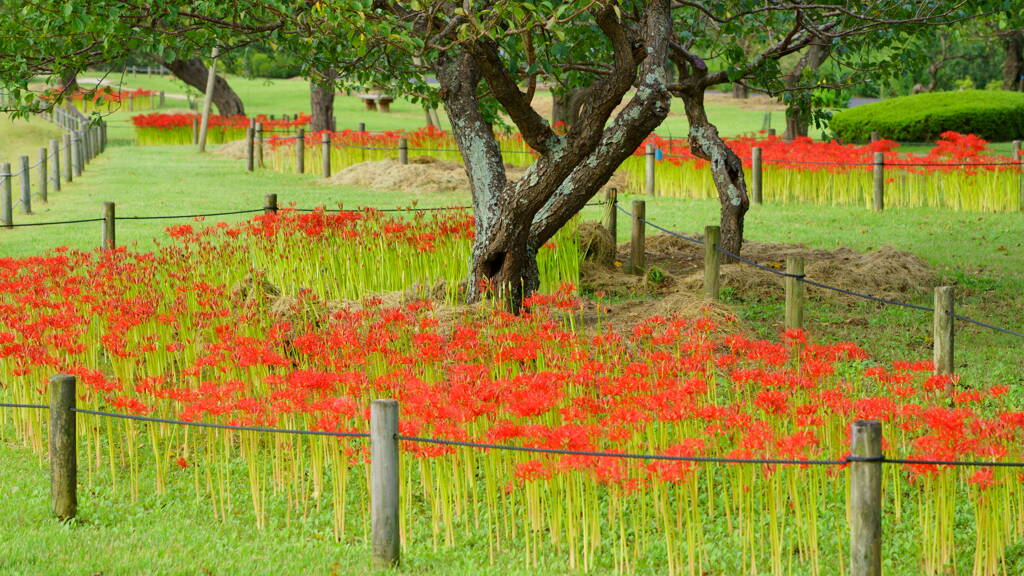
x: 422, y: 175
x: 678, y: 264
x: 236, y: 150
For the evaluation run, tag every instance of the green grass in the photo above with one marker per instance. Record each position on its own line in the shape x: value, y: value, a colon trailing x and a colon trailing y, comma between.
x: 24, y: 137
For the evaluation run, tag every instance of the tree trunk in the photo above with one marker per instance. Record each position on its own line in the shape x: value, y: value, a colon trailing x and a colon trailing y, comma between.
x: 726, y: 169
x: 739, y: 91
x: 1013, y: 61
x: 797, y: 121
x: 514, y: 219
x: 567, y: 105
x: 194, y: 73
x: 321, y: 102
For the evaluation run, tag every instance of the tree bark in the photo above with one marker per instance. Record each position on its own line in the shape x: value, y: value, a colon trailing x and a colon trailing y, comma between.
x: 321, y: 102
x: 194, y: 73
x: 726, y: 168
x: 797, y: 121
x: 567, y: 105
x: 1013, y: 61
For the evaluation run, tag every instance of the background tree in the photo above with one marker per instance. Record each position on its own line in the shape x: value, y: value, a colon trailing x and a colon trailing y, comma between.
x: 194, y: 72
x: 482, y: 53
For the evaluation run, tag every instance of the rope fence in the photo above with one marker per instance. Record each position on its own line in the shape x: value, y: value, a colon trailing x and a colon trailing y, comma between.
x: 865, y: 462
x: 712, y: 269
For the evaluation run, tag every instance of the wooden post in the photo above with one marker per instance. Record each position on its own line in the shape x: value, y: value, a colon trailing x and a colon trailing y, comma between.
x: 300, y: 151
x: 250, y: 158
x: 794, y: 292
x: 403, y: 151
x: 943, y: 328
x: 259, y: 144
x: 384, y: 482
x: 211, y: 76
x: 879, y: 203
x: 131, y: 102
x: 866, y: 500
x: 1016, y: 150
x: 712, y: 279
x: 874, y: 135
x: 163, y: 98
x: 26, y: 186
x: 649, y: 170
x: 55, y: 164
x: 270, y: 203
x: 195, y: 131
x: 63, y: 455
x: 109, y: 219
x: 68, y: 170
x: 636, y: 253
x: 755, y: 175
x: 362, y: 126
x: 44, y: 176
x: 76, y: 153
x: 771, y: 131
x: 325, y: 147
x: 6, y: 202
x: 611, y: 212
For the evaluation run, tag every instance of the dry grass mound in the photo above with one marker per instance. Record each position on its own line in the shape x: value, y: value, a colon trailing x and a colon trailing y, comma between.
x: 235, y: 150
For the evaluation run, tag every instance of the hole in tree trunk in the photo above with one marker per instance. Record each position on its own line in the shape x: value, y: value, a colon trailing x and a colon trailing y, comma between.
x: 493, y: 265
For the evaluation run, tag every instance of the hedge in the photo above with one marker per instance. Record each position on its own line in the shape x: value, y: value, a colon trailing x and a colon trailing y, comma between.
x: 994, y: 115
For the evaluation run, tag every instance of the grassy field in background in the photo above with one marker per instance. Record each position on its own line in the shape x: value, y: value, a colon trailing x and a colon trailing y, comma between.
x: 24, y: 137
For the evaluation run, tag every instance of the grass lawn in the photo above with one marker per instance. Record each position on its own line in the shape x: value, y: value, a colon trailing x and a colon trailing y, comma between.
x: 24, y: 137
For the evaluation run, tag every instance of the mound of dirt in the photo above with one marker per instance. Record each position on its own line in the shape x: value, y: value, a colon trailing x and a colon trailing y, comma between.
x: 886, y: 272
x: 236, y: 150
x: 596, y: 243
x: 422, y: 175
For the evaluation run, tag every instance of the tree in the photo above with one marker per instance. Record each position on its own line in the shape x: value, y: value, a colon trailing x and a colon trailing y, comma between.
x: 194, y: 73
x: 638, y: 52
x: 321, y: 100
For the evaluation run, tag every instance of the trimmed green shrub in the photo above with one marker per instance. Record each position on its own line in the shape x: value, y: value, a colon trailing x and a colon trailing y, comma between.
x: 993, y: 115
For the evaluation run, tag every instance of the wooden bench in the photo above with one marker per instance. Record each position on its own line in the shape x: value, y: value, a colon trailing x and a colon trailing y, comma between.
x: 372, y: 101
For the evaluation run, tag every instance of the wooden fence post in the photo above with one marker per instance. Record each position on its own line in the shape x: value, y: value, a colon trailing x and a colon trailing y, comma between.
x: 195, y: 131
x: 26, y: 186
x: 6, y: 202
x: 755, y: 175
x: 794, y: 292
x: 1016, y: 150
x: 384, y: 482
x: 325, y: 147
x: 712, y: 279
x: 771, y: 131
x: 270, y: 204
x: 68, y: 155
x: 403, y: 151
x: 63, y: 455
x: 362, y: 126
x: 250, y: 151
x: 163, y: 98
x: 259, y: 144
x: 649, y: 170
x: 866, y: 499
x: 611, y: 211
x: 637, y: 261
x: 879, y: 187
x: 43, y: 176
x: 943, y: 328
x: 109, y: 223
x: 76, y: 153
x: 55, y: 167
x: 874, y: 135
x: 300, y: 151
x: 131, y: 102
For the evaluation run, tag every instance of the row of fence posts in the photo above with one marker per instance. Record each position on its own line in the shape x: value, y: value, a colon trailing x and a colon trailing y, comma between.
x: 652, y: 155
x: 943, y: 317
x: 255, y: 158
x: 82, y: 142
x: 385, y: 494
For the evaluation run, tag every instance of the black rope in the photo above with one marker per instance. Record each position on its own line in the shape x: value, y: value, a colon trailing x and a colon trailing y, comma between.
x: 37, y: 406
x: 886, y: 164
x: 222, y: 426
x: 55, y: 223
x: 628, y: 456
x: 989, y: 326
x: 184, y: 216
x: 966, y: 463
x: 869, y: 297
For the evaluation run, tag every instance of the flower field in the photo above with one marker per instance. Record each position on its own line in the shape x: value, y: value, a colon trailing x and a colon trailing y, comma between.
x: 289, y: 321
x: 958, y: 173
x: 159, y: 129
x: 106, y: 99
